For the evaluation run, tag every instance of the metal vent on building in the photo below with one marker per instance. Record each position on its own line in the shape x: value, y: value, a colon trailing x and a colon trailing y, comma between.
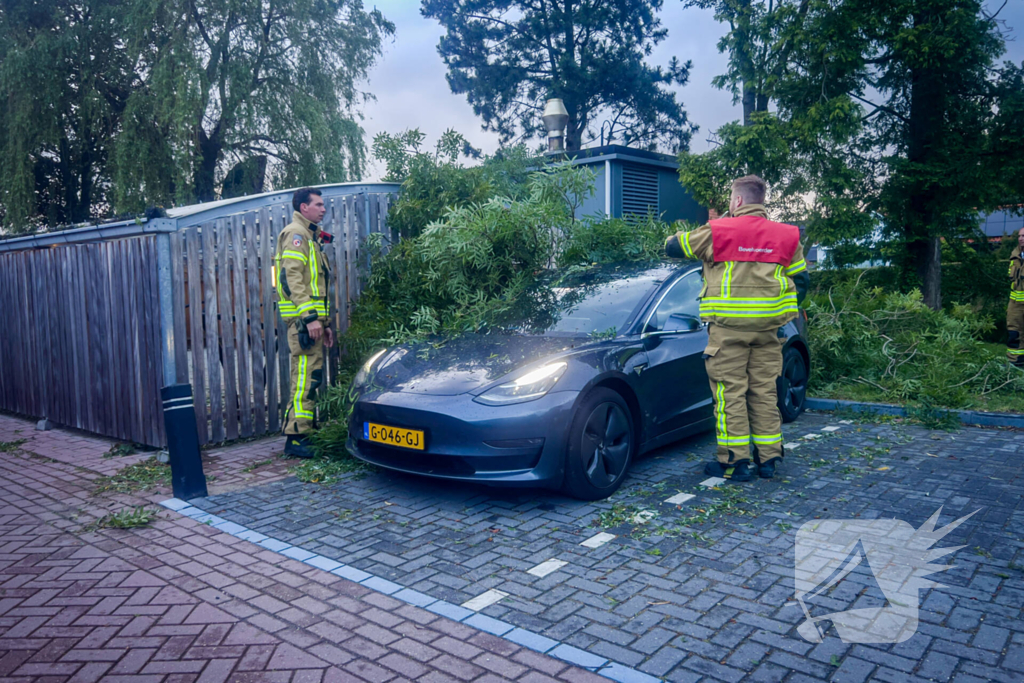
x: 639, y: 191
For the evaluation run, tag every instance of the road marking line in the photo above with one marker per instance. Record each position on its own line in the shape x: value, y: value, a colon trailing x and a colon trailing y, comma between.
x: 712, y: 481
x: 598, y: 540
x: 484, y: 600
x: 545, y: 568
x: 680, y: 498
x: 830, y: 429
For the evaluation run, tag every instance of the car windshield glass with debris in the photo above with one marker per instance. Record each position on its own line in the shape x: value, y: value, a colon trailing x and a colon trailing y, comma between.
x: 585, y: 303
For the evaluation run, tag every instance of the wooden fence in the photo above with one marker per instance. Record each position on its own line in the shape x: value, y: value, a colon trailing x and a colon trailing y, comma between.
x: 81, y: 337
x: 82, y: 342
x: 235, y: 352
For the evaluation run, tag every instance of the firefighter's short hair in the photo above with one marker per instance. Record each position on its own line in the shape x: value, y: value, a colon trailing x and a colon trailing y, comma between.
x: 302, y: 196
x: 751, y: 188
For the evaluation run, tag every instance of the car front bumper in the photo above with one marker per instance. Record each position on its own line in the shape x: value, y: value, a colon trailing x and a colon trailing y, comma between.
x: 514, y: 445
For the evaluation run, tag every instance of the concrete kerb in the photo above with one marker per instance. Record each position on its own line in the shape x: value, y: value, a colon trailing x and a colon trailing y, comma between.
x: 534, y: 641
x: 967, y: 417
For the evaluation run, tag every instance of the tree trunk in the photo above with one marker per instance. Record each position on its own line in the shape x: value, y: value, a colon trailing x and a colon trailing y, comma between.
x: 206, y: 173
x: 927, y: 109
x: 929, y: 268
x: 573, y: 134
x: 749, y: 102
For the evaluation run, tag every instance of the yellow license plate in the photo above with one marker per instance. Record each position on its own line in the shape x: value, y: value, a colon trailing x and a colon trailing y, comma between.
x: 393, y: 436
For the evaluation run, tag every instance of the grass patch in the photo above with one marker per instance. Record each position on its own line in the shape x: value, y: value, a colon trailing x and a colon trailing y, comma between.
x: 128, y: 518
x: 8, y: 446
x: 328, y: 470
x: 119, y: 450
x: 142, y: 476
x: 256, y: 465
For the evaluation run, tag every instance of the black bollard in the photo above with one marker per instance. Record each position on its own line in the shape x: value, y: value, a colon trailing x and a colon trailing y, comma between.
x: 187, y: 475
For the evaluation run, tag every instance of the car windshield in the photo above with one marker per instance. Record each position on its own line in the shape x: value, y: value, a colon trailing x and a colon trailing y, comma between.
x: 590, y: 302
x: 599, y: 309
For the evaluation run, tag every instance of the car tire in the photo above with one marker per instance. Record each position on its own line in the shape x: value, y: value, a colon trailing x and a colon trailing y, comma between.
x: 792, y: 385
x: 602, y: 441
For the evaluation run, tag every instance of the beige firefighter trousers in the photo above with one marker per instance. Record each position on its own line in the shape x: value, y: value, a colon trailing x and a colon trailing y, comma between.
x: 743, y: 366
x: 307, y: 372
x: 1015, y: 323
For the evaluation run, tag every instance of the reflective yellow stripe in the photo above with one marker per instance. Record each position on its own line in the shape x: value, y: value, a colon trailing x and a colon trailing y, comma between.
x: 720, y: 408
x: 797, y: 267
x: 766, y: 438
x: 300, y: 388
x: 1016, y: 296
x: 747, y: 314
x: 298, y: 256
x: 1015, y: 352
x: 687, y: 249
x: 763, y: 306
x: 300, y: 381
x: 727, y: 279
x: 781, y: 279
x: 314, y: 268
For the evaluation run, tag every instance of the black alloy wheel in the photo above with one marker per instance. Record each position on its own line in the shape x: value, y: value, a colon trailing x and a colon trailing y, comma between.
x: 601, y: 445
x: 792, y: 385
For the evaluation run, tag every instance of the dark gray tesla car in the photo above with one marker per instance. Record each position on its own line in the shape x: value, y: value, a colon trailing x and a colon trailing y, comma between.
x: 603, y: 365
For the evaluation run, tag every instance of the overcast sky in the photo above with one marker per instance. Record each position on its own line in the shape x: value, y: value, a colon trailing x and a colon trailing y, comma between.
x: 411, y: 90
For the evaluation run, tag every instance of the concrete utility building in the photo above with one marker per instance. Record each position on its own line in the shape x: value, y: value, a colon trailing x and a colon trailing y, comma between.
x: 632, y: 181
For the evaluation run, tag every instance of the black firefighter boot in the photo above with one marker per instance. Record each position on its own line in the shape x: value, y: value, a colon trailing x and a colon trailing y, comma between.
x: 737, y: 472
x: 297, y: 446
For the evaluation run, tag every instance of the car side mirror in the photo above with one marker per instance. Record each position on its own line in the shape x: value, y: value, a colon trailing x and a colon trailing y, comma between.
x: 680, y: 322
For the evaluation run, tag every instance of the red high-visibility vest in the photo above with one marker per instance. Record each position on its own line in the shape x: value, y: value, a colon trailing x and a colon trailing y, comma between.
x: 752, y: 238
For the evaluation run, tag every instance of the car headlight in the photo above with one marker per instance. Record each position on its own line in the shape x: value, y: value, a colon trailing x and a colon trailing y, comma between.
x: 364, y: 372
x: 533, y: 384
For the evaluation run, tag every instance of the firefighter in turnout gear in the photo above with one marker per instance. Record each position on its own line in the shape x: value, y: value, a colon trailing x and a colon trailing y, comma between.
x: 1015, y: 308
x: 754, y: 279
x: 302, y: 290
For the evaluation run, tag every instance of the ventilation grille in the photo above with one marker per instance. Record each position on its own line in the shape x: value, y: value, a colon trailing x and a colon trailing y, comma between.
x: 639, y: 191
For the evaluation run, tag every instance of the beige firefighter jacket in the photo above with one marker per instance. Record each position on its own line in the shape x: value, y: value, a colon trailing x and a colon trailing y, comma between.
x: 302, y: 273
x: 745, y: 295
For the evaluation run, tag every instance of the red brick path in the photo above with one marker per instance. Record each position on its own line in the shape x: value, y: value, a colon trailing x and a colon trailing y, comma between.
x: 179, y: 601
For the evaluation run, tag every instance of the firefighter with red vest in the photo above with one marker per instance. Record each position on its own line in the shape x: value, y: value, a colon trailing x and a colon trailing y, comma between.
x: 754, y: 279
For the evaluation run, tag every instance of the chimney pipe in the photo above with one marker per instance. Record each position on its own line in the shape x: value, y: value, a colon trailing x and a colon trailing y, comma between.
x: 555, y: 118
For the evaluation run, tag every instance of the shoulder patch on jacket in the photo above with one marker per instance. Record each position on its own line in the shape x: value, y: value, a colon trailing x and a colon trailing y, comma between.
x: 297, y: 241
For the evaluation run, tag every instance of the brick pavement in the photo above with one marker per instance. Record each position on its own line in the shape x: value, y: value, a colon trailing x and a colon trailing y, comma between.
x: 700, y: 591
x: 180, y: 601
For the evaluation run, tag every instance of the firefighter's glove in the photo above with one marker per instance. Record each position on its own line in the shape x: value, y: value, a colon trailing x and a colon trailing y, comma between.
x: 673, y: 248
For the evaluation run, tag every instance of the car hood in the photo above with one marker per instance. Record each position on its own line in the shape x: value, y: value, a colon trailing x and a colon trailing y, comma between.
x: 462, y: 364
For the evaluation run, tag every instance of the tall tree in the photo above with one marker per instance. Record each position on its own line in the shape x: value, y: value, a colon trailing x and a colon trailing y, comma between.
x: 115, y: 106
x: 894, y: 116
x: 65, y: 76
x: 235, y: 79
x: 508, y: 56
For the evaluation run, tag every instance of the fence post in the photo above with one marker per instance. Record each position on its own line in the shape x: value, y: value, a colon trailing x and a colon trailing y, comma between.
x: 167, y: 340
x: 187, y: 478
